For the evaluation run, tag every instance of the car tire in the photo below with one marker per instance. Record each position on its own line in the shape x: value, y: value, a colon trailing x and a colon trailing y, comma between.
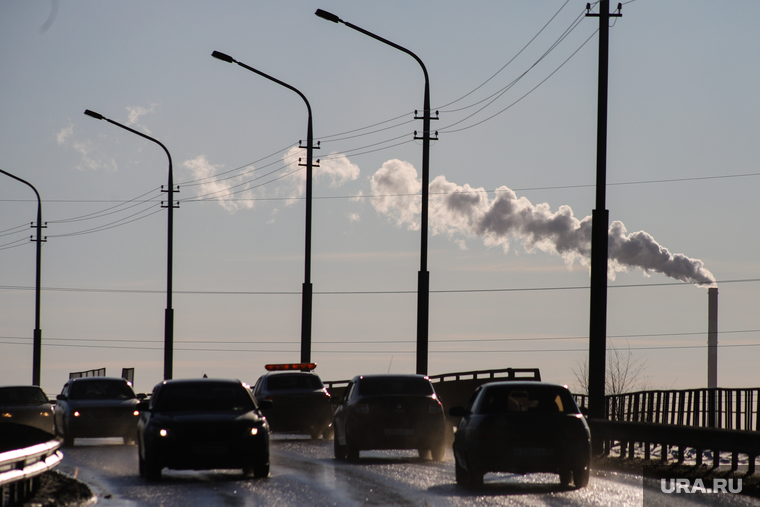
x: 140, y: 465
x: 474, y: 477
x: 565, y: 477
x: 424, y: 452
x: 152, y: 468
x: 340, y: 450
x: 460, y: 473
x: 352, y: 450
x: 438, y: 452
x: 68, y: 440
x: 261, y: 470
x: 581, y: 476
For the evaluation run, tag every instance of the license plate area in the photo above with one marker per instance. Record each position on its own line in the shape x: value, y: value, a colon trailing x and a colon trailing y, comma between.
x: 399, y: 432
x: 532, y: 452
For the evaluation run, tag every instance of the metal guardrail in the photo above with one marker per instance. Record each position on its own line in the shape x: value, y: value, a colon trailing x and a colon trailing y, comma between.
x: 716, y: 440
x: 20, y: 468
x: 728, y: 408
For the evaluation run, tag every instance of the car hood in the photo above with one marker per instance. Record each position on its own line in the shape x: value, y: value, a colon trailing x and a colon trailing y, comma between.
x: 190, y: 418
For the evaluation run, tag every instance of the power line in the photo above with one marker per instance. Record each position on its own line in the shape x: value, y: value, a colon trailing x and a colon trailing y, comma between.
x: 366, y: 292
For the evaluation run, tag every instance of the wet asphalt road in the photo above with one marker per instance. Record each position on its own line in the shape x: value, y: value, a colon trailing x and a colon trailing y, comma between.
x: 304, y: 473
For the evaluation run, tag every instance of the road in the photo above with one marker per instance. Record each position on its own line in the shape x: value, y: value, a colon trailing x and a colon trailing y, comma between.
x: 304, y: 473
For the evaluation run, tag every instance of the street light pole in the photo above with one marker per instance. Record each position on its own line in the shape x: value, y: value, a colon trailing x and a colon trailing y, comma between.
x: 37, y: 342
x: 600, y: 234
x: 423, y: 278
x: 306, y: 299
x: 169, y: 313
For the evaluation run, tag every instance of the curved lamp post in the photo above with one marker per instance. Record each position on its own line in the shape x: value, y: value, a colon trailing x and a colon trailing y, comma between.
x: 169, y: 314
x: 306, y: 304
x: 37, y: 343
x: 423, y: 280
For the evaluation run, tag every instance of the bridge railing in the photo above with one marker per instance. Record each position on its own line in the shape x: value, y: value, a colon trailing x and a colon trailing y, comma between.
x: 726, y: 408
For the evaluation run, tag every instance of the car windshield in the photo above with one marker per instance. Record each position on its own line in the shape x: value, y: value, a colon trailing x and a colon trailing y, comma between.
x: 516, y: 399
x: 372, y: 386
x: 281, y: 382
x: 22, y: 396
x: 101, y: 390
x: 203, y: 397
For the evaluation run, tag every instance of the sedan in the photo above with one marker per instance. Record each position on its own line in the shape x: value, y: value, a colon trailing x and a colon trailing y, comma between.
x: 300, y: 401
x: 389, y: 412
x: 96, y: 407
x: 202, y: 424
x: 521, y: 427
x: 26, y: 405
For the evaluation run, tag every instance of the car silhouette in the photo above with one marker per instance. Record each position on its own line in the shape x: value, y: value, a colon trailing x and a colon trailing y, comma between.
x: 389, y: 412
x: 521, y: 427
x: 202, y: 424
x: 96, y: 407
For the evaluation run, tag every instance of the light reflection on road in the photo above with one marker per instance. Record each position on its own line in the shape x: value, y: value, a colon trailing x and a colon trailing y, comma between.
x: 304, y: 472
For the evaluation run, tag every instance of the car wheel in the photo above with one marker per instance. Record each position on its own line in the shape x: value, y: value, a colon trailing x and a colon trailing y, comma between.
x: 352, y: 450
x: 565, y: 476
x: 438, y: 452
x: 261, y: 470
x: 152, y: 467
x: 580, y: 476
x: 340, y: 450
x: 140, y: 465
x: 460, y: 473
x: 68, y: 440
x: 474, y: 477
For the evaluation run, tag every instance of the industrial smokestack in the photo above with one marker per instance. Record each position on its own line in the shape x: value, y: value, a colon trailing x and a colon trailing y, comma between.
x: 712, y: 338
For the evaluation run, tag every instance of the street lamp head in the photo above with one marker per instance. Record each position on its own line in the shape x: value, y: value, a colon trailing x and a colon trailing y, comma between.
x: 328, y: 16
x: 223, y: 57
x: 95, y: 115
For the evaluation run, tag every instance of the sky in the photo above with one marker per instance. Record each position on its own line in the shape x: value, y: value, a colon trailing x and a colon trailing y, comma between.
x: 512, y: 186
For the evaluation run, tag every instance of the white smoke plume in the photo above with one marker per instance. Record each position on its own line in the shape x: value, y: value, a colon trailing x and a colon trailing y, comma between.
x: 463, y: 210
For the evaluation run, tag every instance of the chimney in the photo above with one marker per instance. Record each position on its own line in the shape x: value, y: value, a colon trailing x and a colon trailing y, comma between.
x: 712, y: 338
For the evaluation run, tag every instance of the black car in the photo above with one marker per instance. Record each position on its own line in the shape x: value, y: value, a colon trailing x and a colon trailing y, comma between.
x: 389, y: 412
x: 27, y: 405
x: 202, y: 424
x: 521, y: 427
x: 96, y: 407
x: 300, y: 401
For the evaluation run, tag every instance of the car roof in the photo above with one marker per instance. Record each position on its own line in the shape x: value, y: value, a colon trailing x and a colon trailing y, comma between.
x: 524, y: 383
x: 94, y: 379
x: 390, y: 375
x: 204, y: 380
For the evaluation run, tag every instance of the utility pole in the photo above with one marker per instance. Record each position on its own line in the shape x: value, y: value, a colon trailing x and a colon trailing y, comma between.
x: 599, y: 232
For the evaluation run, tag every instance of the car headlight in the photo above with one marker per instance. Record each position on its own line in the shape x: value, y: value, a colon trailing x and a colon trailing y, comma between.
x: 254, y: 431
x: 163, y: 432
x: 76, y: 413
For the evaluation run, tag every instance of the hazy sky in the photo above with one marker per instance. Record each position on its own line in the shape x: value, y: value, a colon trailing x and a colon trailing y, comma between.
x: 512, y: 185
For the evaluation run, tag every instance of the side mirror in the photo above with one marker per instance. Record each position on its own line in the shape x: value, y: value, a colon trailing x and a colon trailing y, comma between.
x: 141, y: 396
x: 265, y: 404
x: 61, y: 397
x: 457, y: 411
